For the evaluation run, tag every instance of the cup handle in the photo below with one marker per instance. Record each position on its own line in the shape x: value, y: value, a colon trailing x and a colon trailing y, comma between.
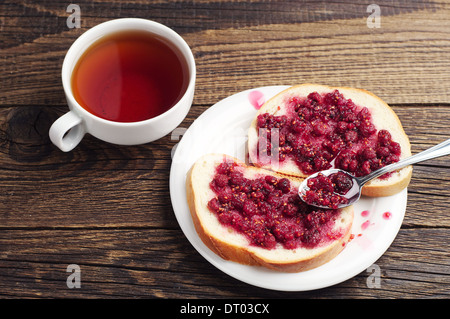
x: 67, y: 131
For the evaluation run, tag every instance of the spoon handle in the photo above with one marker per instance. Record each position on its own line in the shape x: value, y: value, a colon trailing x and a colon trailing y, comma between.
x: 435, y: 151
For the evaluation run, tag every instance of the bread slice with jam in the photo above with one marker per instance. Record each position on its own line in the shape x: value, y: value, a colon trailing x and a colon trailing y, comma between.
x: 308, y: 128
x: 255, y: 217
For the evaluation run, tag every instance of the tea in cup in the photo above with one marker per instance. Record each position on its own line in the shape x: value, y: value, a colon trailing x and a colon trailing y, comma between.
x: 127, y: 81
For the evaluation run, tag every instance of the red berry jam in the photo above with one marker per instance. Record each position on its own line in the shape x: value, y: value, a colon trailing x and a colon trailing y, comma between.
x: 328, y: 190
x: 324, y: 127
x: 268, y: 210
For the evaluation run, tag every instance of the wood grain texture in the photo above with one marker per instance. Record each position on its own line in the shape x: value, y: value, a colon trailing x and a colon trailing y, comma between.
x: 155, y: 263
x: 107, y: 208
x: 238, y: 45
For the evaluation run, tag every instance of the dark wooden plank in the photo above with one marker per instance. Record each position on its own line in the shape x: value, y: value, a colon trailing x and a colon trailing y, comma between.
x: 100, y: 182
x: 155, y: 263
x: 49, y: 16
x: 240, y: 45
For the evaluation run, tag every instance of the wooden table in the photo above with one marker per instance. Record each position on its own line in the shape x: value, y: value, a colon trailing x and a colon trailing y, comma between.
x: 107, y: 208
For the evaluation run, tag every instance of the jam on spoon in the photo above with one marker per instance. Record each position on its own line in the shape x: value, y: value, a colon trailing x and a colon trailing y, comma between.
x: 335, y: 188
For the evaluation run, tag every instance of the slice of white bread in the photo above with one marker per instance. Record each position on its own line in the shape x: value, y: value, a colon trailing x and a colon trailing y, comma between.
x: 383, y: 117
x: 232, y: 245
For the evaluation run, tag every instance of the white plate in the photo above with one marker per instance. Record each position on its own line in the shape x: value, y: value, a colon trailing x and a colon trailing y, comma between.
x: 223, y: 129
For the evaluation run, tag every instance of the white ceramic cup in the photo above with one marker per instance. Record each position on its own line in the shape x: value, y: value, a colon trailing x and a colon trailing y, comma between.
x: 67, y: 131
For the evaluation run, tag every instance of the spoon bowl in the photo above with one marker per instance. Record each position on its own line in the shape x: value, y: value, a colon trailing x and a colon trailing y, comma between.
x: 348, y: 198
x: 324, y: 189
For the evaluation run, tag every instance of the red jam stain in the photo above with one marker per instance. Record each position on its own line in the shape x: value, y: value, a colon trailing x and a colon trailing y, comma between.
x: 365, y: 225
x: 365, y: 213
x: 268, y: 210
x: 322, y: 128
x: 256, y: 99
x: 387, y: 215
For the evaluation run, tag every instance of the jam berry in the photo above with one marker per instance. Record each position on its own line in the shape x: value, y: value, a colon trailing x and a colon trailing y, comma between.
x: 268, y: 210
x: 328, y: 190
x: 324, y: 127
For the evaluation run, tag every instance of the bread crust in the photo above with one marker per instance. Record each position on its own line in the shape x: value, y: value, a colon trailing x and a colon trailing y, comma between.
x: 375, y: 188
x: 245, y: 254
x: 219, y: 247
